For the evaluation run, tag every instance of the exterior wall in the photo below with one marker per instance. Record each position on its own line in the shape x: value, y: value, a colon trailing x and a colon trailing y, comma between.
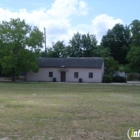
x: 103, y: 69
x: 43, y: 75
x: 84, y: 74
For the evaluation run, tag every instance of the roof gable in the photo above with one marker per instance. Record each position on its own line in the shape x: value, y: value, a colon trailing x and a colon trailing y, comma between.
x: 72, y: 62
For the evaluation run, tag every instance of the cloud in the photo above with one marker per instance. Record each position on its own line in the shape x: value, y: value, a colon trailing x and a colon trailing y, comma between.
x: 67, y: 8
x: 98, y: 26
x: 58, y: 20
x: 102, y: 23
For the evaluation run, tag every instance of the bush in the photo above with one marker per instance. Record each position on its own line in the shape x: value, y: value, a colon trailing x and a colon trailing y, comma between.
x: 119, y: 79
x: 129, y: 77
x: 107, y: 78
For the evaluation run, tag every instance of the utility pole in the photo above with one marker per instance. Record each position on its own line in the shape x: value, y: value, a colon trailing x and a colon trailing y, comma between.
x: 45, y: 41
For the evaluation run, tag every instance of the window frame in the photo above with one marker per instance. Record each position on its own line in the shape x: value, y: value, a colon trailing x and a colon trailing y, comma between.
x: 76, y: 74
x: 50, y: 74
x: 90, y: 74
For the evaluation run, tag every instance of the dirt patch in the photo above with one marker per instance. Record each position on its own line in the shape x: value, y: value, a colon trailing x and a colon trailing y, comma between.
x: 5, y: 138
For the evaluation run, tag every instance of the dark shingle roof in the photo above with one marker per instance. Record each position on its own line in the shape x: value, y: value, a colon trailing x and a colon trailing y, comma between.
x: 72, y: 62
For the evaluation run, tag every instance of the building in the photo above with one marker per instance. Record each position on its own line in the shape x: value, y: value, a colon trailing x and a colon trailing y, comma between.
x: 78, y: 69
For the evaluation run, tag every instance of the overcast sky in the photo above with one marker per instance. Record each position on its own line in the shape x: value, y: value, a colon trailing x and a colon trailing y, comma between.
x: 63, y: 18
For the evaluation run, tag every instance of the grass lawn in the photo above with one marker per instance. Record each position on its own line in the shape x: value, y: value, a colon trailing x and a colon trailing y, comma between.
x: 56, y: 111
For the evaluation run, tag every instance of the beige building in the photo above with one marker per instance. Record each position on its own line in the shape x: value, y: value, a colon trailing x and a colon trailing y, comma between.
x: 80, y: 69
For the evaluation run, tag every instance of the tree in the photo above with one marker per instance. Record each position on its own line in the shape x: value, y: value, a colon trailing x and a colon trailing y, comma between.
x: 111, y: 66
x: 135, y: 32
x: 117, y: 40
x: 19, y: 47
x: 89, y: 43
x: 75, y: 46
x: 101, y: 51
x: 58, y: 50
x: 82, y: 45
x: 133, y: 55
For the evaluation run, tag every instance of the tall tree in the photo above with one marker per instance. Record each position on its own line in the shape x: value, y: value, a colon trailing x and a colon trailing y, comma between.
x: 89, y: 44
x: 58, y: 50
x: 82, y: 45
x: 101, y: 51
x: 75, y: 46
x: 135, y: 32
x: 118, y: 40
x: 19, y: 47
x: 133, y: 55
x: 111, y: 66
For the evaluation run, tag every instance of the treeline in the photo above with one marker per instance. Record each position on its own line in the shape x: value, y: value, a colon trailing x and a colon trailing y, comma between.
x: 120, y: 45
x: 21, y: 45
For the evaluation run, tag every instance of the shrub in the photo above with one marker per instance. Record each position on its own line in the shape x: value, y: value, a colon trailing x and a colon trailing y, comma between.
x: 129, y: 78
x: 119, y: 79
x: 107, y: 78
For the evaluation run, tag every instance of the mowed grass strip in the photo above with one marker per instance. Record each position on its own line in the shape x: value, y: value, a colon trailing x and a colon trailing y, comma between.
x: 58, y: 111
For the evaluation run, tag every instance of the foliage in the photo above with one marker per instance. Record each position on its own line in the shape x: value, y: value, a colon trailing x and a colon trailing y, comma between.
x: 82, y: 45
x: 135, y: 32
x: 75, y: 47
x: 111, y: 66
x: 117, y: 40
x: 19, y: 47
x: 58, y: 50
x: 125, y: 68
x: 130, y: 77
x: 133, y: 57
x: 101, y: 51
x: 133, y: 77
x: 107, y: 78
x: 119, y: 79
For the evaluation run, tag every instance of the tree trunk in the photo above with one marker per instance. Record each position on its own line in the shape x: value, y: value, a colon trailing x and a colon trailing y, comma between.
x: 13, y: 74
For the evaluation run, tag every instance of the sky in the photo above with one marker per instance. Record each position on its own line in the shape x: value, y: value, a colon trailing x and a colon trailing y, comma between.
x: 63, y: 18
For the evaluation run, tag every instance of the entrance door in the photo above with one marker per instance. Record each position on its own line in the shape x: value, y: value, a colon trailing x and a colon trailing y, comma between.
x: 63, y: 76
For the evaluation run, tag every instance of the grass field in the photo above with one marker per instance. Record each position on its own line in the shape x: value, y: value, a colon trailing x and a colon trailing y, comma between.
x: 56, y: 111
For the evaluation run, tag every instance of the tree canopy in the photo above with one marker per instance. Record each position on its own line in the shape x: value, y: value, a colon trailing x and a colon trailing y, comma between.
x: 58, y: 49
x: 135, y: 32
x: 20, y: 45
x: 117, y: 40
x: 82, y: 45
x: 133, y: 56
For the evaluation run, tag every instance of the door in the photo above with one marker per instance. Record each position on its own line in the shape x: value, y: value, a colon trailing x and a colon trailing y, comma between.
x: 63, y: 76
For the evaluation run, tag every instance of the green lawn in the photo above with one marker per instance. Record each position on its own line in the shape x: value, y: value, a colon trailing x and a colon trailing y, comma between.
x: 56, y: 111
